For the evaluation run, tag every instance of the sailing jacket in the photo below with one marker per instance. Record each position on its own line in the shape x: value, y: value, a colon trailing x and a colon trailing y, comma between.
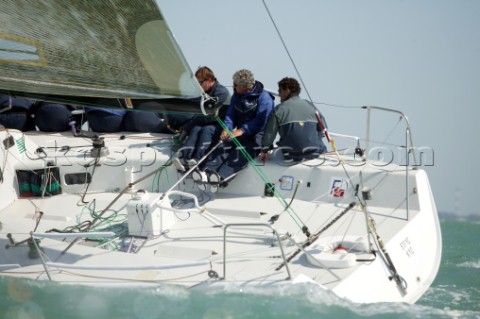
x: 296, y: 122
x: 249, y: 111
x: 217, y: 91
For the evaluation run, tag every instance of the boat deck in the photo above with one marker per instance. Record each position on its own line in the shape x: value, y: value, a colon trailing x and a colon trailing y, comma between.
x: 242, y: 235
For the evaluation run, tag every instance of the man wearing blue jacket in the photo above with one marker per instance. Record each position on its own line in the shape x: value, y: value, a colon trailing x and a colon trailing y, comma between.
x: 246, y: 118
x: 296, y: 121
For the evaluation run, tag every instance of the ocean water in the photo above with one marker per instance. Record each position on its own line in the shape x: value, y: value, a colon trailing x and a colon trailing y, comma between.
x: 454, y: 294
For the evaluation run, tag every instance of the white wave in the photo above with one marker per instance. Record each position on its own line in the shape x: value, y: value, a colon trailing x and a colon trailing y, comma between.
x: 470, y: 264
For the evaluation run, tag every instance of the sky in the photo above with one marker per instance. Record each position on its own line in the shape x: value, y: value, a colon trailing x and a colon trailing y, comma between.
x: 421, y: 58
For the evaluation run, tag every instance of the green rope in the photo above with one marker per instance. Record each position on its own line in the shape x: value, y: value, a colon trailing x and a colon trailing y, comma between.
x: 266, y: 180
x: 157, y: 177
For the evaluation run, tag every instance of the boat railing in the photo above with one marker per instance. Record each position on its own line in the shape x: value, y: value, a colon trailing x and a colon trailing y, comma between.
x: 408, y: 145
x: 357, y: 150
x: 351, y: 137
x: 74, y: 235
x: 205, y: 262
x: 49, y: 264
x: 408, y: 133
x: 9, y: 266
x: 280, y: 245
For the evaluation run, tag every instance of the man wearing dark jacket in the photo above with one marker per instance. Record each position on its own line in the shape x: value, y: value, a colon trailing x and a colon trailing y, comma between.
x: 245, y: 120
x: 202, y: 131
x: 296, y: 122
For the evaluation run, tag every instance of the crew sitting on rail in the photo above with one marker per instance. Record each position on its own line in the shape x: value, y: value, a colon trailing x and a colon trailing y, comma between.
x: 296, y: 121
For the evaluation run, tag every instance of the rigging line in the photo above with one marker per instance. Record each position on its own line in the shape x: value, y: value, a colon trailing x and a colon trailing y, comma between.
x: 46, y: 181
x: 282, y: 200
x: 251, y: 161
x: 129, y: 186
x: 64, y: 147
x: 6, y: 152
x: 384, y: 255
x: 97, y: 160
x: 286, y: 49
x: 338, y: 105
x: 348, y: 228
x: 315, y: 236
x: 371, y: 228
x: 392, y: 130
x: 382, y: 143
x: 334, y: 149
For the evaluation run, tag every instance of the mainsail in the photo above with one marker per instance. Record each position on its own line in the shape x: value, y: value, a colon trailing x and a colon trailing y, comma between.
x: 82, y: 52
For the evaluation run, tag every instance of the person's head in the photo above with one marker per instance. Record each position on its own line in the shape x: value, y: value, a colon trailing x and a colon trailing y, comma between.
x: 288, y: 87
x: 205, y: 77
x: 243, y: 81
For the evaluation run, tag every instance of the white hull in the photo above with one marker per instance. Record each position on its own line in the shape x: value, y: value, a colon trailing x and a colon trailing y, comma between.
x: 185, y: 246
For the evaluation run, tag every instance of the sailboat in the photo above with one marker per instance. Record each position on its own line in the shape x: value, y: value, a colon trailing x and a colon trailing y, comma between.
x: 111, y: 210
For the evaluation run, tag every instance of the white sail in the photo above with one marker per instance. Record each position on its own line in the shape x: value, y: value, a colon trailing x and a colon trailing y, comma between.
x: 101, y: 48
